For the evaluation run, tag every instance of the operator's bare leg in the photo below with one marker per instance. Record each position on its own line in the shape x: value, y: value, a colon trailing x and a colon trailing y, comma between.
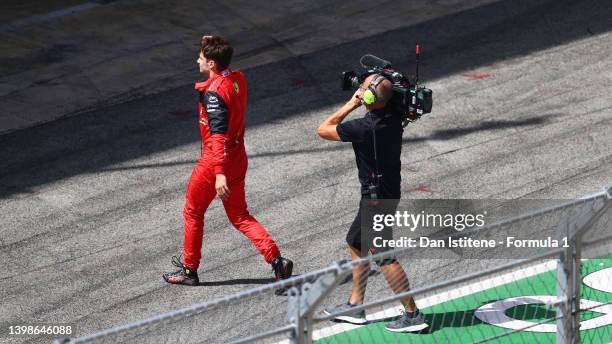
x: 360, y: 278
x: 411, y: 320
x: 398, y: 281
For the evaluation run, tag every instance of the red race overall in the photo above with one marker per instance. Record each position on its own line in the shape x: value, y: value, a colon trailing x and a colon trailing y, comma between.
x: 222, y: 106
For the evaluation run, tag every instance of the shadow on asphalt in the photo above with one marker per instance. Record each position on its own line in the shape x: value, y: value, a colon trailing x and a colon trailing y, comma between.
x: 452, y: 44
x: 237, y: 281
x: 447, y: 134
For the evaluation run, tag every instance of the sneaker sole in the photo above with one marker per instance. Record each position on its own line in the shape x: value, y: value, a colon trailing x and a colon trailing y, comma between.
x: 348, y: 319
x: 413, y: 328
x: 351, y: 320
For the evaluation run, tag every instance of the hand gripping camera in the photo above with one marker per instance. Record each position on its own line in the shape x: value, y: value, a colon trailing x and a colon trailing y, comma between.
x: 410, y: 99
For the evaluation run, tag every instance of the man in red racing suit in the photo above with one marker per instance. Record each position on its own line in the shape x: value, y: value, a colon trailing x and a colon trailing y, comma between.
x: 221, y: 169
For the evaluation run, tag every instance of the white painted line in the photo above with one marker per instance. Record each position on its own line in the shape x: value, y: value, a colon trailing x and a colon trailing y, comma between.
x: 435, y: 299
x: 600, y: 280
x: 494, y: 313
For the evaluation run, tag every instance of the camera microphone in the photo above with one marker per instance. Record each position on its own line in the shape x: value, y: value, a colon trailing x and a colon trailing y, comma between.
x: 371, y: 62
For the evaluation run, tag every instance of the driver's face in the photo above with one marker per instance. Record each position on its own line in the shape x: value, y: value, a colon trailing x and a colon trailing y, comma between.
x: 204, y: 64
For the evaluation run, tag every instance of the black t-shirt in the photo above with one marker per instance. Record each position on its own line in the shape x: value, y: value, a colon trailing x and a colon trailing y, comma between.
x: 388, y: 130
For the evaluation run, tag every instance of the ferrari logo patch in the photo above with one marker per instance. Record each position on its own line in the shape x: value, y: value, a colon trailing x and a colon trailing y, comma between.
x: 236, y: 88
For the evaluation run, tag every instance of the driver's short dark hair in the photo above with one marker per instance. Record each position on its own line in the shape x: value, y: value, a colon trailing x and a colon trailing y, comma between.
x: 218, y: 49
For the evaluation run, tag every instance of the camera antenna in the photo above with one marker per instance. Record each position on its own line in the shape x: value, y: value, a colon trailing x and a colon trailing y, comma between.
x: 417, y: 53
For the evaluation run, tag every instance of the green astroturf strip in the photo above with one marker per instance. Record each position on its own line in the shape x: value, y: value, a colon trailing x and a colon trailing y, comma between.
x: 453, y: 321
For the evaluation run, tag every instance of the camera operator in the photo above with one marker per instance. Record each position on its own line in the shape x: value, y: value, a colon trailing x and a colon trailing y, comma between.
x: 377, y: 141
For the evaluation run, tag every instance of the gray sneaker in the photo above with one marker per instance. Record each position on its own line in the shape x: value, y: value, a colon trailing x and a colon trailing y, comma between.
x: 406, y: 324
x: 356, y: 317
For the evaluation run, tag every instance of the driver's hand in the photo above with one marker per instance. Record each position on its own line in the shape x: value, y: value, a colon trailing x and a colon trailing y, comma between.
x: 221, y: 187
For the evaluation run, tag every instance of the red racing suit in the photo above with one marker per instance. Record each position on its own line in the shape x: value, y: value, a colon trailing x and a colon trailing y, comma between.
x: 222, y: 107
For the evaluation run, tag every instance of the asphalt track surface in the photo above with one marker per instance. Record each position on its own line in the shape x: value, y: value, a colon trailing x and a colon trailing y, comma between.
x: 91, y: 205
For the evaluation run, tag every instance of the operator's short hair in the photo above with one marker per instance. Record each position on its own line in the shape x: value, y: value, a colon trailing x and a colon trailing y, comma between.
x: 218, y: 49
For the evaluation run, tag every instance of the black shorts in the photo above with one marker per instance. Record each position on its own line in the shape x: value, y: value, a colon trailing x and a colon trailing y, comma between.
x: 361, y: 234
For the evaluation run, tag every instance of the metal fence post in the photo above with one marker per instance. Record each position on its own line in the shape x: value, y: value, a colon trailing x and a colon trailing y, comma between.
x: 293, y: 314
x: 303, y: 302
x: 568, y: 292
x: 568, y: 270
x: 576, y: 282
x: 564, y: 294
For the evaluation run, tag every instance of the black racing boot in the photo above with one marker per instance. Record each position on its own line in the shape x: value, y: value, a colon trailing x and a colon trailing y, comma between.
x: 183, y: 276
x: 282, y: 267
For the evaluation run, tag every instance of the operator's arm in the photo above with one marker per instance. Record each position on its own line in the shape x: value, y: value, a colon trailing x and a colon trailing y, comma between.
x: 327, y: 129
